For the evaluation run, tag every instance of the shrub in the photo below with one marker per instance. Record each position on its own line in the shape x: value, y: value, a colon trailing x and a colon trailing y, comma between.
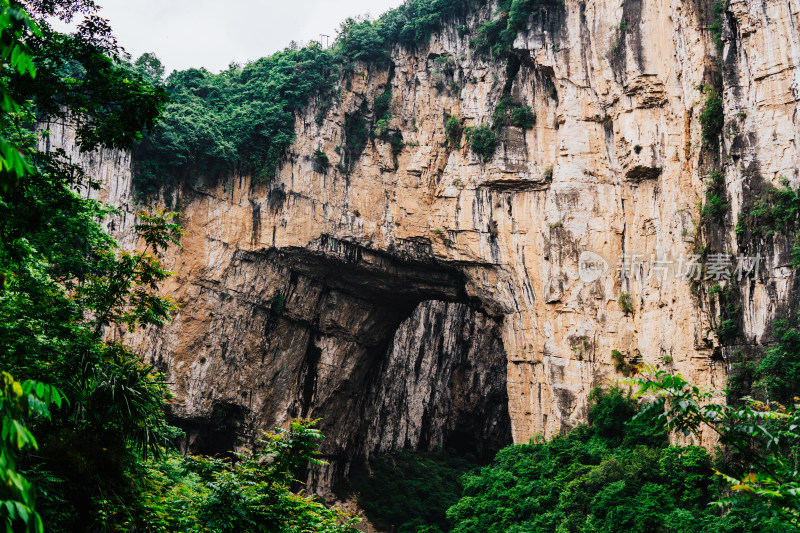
x: 381, y: 127
x: 626, y: 303
x: 453, y: 130
x: 511, y: 112
x: 778, y: 373
x: 381, y: 106
x: 715, y: 206
x: 482, y: 141
x: 321, y: 161
x: 356, y: 136
x: 195, y: 493
x: 278, y: 303
x: 716, y: 27
x: 712, y: 116
x: 776, y: 210
x: 523, y: 117
x: 622, y: 365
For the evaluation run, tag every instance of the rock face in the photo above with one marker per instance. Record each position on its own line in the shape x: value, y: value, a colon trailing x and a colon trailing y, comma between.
x: 433, y: 297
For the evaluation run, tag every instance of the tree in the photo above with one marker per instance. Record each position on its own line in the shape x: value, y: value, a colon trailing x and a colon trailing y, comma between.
x: 14, y: 25
x: 763, y: 440
x: 613, y: 476
x: 149, y: 65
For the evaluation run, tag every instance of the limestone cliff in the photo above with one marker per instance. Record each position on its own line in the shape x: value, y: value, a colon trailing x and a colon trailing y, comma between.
x: 431, y: 297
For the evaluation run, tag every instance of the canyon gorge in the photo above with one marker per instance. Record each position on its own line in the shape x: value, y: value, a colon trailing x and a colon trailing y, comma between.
x: 414, y: 294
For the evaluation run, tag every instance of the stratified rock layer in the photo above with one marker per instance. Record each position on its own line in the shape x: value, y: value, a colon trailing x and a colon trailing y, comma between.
x: 320, y: 293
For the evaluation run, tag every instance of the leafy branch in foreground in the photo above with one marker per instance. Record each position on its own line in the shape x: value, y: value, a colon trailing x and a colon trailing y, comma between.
x: 762, y: 438
x: 127, y: 292
x: 18, y: 402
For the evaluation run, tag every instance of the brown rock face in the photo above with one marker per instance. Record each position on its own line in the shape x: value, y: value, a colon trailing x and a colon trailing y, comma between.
x: 437, y: 298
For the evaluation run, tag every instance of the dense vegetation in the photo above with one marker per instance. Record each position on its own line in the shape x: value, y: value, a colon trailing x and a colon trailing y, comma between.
x: 254, y: 494
x: 242, y: 120
x: 411, y: 491
x: 774, y: 214
x: 611, y: 476
x: 88, y: 407
x: 617, y: 474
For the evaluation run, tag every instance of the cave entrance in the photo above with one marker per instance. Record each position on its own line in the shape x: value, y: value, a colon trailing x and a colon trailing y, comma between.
x: 386, y: 348
x: 398, y: 357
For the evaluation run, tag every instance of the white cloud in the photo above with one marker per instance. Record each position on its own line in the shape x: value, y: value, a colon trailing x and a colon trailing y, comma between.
x: 211, y: 34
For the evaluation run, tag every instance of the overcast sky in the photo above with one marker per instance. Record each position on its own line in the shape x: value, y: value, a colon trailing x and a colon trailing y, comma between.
x: 212, y: 33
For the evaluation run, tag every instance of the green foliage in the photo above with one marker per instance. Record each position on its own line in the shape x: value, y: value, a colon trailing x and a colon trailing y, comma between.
x: 278, y: 303
x: 410, y: 490
x: 14, y: 26
x: 381, y: 106
x: 712, y: 116
x: 778, y: 373
x: 715, y: 207
x: 150, y: 66
x: 381, y: 110
x: 776, y: 210
x: 356, y: 136
x: 409, y: 25
x: 611, y: 476
x: 611, y: 417
x: 482, y: 141
x: 254, y: 494
x: 496, y: 36
x: 761, y: 440
x: 63, y: 280
x: 626, y: 303
x: 716, y: 27
x: 619, y: 42
x: 19, y: 402
x: 65, y: 283
x: 453, y: 130
x: 510, y: 112
x: 622, y: 365
x: 241, y: 120
x: 523, y: 117
x: 321, y: 161
x: 83, y: 77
